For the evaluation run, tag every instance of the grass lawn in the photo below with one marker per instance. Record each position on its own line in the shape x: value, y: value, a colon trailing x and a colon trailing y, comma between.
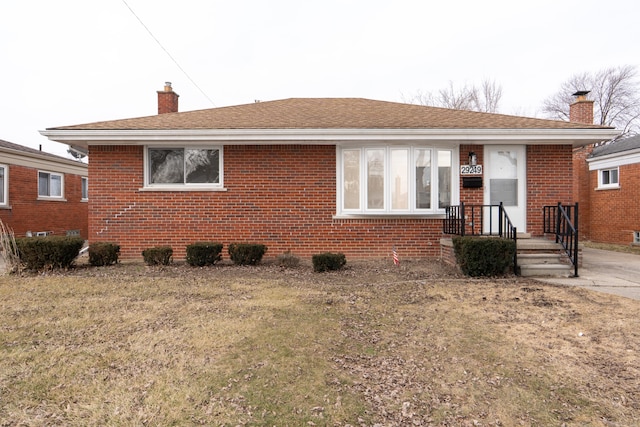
x: 374, y: 344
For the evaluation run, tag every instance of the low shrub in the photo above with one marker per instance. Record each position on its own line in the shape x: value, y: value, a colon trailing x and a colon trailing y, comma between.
x: 484, y: 256
x: 158, y: 255
x: 103, y: 253
x: 246, y: 253
x: 287, y: 260
x: 204, y: 253
x: 47, y: 253
x: 328, y: 261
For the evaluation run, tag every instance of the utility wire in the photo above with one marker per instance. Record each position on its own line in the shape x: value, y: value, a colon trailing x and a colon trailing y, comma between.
x: 167, y: 52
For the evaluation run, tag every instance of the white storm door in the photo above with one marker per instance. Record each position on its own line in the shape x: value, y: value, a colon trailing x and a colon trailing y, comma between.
x: 505, y: 181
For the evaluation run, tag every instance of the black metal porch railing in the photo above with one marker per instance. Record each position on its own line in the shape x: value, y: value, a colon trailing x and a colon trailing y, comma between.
x: 563, y: 222
x: 481, y: 220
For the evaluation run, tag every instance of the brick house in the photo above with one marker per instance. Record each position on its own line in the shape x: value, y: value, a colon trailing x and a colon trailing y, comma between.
x: 317, y: 174
x: 608, y: 185
x: 41, y: 193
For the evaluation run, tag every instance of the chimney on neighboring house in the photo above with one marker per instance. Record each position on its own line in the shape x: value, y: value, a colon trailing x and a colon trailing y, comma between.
x: 167, y: 100
x: 581, y: 111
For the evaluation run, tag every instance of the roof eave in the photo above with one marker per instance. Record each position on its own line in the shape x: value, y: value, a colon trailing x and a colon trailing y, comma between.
x: 80, y: 138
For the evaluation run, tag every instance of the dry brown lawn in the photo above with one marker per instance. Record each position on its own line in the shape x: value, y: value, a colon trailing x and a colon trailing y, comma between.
x: 372, y: 345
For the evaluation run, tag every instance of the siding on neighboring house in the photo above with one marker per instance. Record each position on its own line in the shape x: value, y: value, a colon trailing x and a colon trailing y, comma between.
x: 283, y: 196
x: 26, y: 212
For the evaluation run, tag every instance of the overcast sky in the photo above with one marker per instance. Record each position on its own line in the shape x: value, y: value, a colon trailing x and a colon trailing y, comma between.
x: 68, y: 62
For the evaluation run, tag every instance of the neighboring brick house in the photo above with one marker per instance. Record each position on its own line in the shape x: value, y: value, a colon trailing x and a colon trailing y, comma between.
x: 608, y: 181
x: 317, y: 174
x: 41, y: 193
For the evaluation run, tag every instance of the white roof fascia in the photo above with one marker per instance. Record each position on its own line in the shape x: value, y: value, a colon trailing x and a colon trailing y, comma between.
x: 614, y: 160
x: 81, y: 138
x: 30, y: 160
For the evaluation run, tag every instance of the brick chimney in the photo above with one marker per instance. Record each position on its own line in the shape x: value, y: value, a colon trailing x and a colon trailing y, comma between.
x: 581, y: 111
x: 167, y: 100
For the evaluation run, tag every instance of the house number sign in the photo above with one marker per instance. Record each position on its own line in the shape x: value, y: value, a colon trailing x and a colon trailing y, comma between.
x: 470, y: 169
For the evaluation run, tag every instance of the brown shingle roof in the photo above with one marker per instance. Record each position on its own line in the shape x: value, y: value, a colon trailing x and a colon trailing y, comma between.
x: 328, y: 113
x: 23, y: 149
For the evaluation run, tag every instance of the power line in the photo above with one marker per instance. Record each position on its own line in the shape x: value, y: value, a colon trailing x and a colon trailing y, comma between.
x: 167, y: 52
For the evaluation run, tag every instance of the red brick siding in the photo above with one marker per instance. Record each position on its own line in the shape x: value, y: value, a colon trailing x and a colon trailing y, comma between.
x: 582, y: 190
x: 282, y: 196
x: 614, y: 212
x: 473, y: 196
x: 549, y: 181
x: 27, y: 213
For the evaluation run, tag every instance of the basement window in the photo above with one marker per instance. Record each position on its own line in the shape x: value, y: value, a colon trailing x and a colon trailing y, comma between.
x: 636, y: 237
x: 608, y: 178
x: 183, y: 168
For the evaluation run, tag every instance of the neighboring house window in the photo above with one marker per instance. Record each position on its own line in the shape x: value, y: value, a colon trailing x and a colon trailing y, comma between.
x: 608, y: 178
x: 85, y: 188
x: 388, y: 180
x: 4, y: 185
x: 50, y: 184
x: 183, y: 167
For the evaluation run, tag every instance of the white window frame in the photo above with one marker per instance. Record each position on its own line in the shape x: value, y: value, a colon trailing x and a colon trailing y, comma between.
x: 84, y: 188
x: 636, y: 237
x: 5, y: 186
x: 602, y: 185
x: 49, y: 196
x: 387, y: 209
x: 219, y: 186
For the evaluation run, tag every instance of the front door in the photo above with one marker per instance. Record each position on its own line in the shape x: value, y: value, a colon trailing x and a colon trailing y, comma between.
x: 505, y: 181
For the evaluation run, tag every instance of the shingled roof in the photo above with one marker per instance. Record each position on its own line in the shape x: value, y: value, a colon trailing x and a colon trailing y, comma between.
x: 27, y: 150
x: 617, y: 146
x: 328, y: 113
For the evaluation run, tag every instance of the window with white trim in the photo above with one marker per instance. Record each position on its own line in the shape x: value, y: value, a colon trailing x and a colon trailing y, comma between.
x: 395, y: 180
x: 608, y: 178
x: 85, y: 188
x: 636, y: 237
x: 50, y: 184
x: 4, y: 185
x: 183, y: 167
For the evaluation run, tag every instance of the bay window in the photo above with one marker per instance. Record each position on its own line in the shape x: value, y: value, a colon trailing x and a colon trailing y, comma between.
x: 395, y: 180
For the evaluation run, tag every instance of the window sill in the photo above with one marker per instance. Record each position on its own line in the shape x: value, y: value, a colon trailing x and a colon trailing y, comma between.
x: 52, y: 199
x: 181, y: 189
x: 613, y: 187
x: 390, y: 216
x: 7, y: 207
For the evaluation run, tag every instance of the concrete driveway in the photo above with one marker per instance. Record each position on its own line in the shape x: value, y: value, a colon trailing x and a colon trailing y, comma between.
x: 606, y: 271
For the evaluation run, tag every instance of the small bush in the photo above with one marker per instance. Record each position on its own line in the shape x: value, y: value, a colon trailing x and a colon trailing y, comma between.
x: 47, y: 253
x: 204, y: 253
x: 328, y: 261
x: 246, y: 253
x: 484, y: 256
x: 287, y: 260
x: 103, y: 253
x: 158, y: 255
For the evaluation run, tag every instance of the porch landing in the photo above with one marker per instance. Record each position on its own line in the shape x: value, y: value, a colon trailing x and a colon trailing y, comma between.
x: 537, y: 257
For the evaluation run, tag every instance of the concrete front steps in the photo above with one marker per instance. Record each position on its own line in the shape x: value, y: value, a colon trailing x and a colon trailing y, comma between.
x: 542, y: 258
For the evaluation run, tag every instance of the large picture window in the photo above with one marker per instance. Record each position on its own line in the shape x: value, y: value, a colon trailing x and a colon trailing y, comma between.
x: 50, y: 184
x: 184, y: 166
x: 395, y: 180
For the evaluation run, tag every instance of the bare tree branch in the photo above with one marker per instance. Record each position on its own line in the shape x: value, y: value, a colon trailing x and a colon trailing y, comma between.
x: 615, y: 92
x: 486, y: 98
